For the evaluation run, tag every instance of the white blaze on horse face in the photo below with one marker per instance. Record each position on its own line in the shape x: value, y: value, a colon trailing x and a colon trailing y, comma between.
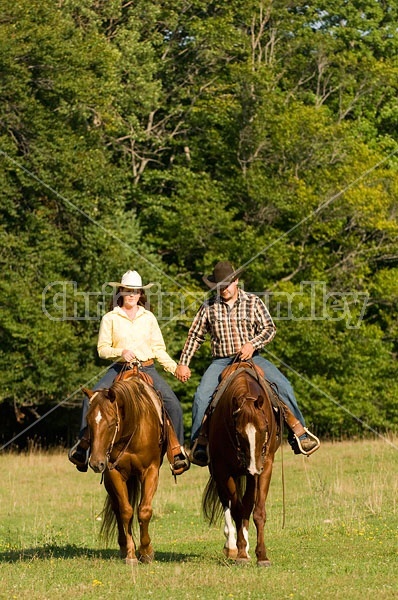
x: 98, y: 417
x: 229, y: 530
x: 251, y: 436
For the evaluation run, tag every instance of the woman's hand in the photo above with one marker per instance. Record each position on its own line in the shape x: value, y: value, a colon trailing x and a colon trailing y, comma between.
x: 128, y: 355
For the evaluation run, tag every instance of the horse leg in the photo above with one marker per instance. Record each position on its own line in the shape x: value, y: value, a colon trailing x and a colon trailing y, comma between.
x: 259, y: 513
x: 246, y: 510
x: 230, y: 548
x: 226, y: 491
x: 149, y: 486
x: 242, y: 519
x: 233, y: 511
x: 117, y: 490
x: 239, y: 512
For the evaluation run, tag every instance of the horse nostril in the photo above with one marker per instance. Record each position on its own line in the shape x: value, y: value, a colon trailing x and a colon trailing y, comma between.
x: 98, y: 466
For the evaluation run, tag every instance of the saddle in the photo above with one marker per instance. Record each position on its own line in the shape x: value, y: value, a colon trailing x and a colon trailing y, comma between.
x: 133, y: 371
x: 241, y: 365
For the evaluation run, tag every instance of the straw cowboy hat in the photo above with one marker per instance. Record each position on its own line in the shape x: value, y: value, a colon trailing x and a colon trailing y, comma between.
x: 131, y: 280
x: 223, y: 274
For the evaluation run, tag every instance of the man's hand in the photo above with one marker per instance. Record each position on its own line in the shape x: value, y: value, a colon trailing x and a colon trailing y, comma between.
x: 182, y: 373
x: 246, y: 351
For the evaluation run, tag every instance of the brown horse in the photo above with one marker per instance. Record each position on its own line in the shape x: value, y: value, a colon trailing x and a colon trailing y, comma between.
x: 243, y: 438
x: 127, y: 446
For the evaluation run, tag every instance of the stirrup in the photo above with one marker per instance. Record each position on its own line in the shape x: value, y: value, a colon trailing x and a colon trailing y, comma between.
x: 81, y: 464
x: 196, y: 461
x: 312, y: 437
x: 184, y: 464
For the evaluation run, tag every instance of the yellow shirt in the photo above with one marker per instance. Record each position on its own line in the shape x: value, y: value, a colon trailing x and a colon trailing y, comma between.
x: 141, y: 335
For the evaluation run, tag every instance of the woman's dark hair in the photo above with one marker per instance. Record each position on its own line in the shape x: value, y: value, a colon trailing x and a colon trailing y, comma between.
x: 118, y: 296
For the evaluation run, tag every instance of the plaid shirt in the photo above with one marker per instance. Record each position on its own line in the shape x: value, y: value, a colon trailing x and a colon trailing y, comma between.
x: 247, y: 321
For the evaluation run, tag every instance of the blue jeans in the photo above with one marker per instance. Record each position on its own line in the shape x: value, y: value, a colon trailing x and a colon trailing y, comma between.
x: 170, y: 400
x: 211, y: 379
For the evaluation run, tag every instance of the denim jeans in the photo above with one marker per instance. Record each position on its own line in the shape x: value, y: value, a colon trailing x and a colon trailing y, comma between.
x: 170, y: 400
x: 211, y: 379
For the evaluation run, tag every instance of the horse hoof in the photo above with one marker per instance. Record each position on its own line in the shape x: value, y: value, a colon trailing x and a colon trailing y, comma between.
x: 131, y: 561
x: 242, y: 561
x: 230, y: 552
x: 147, y: 558
x: 264, y: 563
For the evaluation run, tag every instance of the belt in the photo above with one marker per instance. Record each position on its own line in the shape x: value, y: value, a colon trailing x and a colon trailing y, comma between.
x: 143, y: 363
x: 147, y: 363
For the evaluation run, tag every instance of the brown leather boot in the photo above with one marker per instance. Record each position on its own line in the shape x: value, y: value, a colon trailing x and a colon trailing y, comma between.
x: 304, y: 442
x: 176, y: 455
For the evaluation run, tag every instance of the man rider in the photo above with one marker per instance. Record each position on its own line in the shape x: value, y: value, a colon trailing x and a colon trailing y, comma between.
x: 239, y: 324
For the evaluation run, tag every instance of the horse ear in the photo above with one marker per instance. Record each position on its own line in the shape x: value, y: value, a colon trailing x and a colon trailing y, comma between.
x: 259, y: 402
x: 110, y: 394
x: 88, y: 392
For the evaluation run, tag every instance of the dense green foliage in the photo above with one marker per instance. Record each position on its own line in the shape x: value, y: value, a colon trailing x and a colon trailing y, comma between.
x: 164, y: 136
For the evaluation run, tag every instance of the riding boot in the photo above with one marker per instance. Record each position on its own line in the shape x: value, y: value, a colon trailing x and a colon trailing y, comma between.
x: 199, y: 454
x: 176, y: 455
x: 80, y: 452
x: 304, y: 442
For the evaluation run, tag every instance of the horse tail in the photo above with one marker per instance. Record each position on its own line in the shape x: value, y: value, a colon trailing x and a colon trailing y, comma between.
x: 109, y: 521
x: 108, y: 526
x: 212, y: 508
x: 134, y: 490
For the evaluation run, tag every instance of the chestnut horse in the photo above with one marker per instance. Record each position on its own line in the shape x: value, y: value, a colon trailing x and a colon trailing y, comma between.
x: 127, y: 446
x: 243, y: 437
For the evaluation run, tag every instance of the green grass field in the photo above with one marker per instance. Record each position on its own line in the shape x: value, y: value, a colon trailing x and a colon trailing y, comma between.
x: 339, y: 539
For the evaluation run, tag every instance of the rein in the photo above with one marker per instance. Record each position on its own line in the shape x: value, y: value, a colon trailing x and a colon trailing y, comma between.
x: 236, y: 443
x: 108, y: 452
x: 114, y: 464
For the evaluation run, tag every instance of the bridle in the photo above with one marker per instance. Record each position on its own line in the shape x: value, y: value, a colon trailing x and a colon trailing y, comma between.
x: 236, y: 442
x: 117, y: 427
x: 113, y: 440
x: 114, y: 464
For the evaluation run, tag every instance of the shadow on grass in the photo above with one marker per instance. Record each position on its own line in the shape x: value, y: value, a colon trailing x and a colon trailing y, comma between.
x: 173, y: 557
x: 71, y: 551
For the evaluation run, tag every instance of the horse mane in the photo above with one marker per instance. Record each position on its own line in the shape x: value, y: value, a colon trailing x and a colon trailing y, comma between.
x: 138, y: 401
x: 247, y: 388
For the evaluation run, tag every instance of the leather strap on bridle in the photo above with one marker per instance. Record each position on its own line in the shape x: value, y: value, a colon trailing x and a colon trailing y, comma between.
x: 92, y: 397
x: 113, y: 465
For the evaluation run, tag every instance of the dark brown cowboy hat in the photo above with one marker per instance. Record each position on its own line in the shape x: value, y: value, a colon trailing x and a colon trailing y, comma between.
x: 223, y: 274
